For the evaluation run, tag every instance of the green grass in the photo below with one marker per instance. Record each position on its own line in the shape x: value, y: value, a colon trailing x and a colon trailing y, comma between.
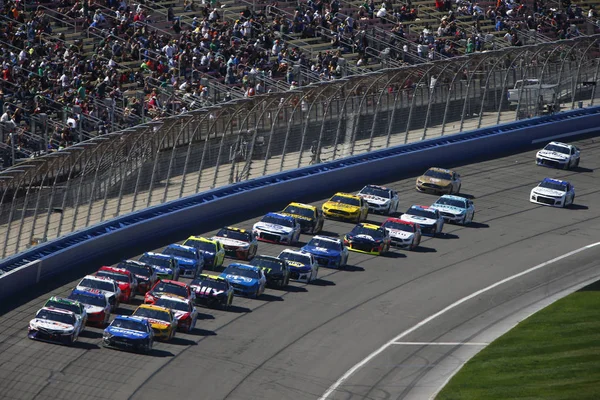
x: 554, y: 354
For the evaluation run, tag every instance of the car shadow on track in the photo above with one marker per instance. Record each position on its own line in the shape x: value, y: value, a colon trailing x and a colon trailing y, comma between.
x: 294, y: 289
x: 180, y: 341
x: 352, y: 268
x: 577, y: 207
x: 446, y: 235
x: 136, y: 301
x: 124, y: 311
x: 477, y: 225
x: 322, y: 282
x: 582, y: 169
x: 466, y: 195
x: 203, y: 316
x: 269, y: 297
x: 85, y: 346
x: 394, y: 254
x: 89, y: 334
x: 160, y: 353
x: 423, y: 249
x: 238, y: 309
x: 200, y: 332
x: 328, y: 233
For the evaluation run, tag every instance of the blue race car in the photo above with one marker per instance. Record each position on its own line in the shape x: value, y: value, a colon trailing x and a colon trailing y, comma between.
x: 328, y: 251
x: 166, y: 267
x: 129, y: 332
x: 191, y: 261
x: 247, y: 280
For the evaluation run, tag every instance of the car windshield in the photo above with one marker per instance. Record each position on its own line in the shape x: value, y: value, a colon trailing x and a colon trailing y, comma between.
x: 88, y: 299
x: 97, y: 284
x: 173, y: 304
x: 129, y: 324
x: 301, y: 258
x: 173, y: 251
x: 305, y: 212
x: 432, y: 173
x: 166, y: 287
x: 451, y: 202
x: 56, y: 316
x: 160, y: 315
x: 272, y: 264
x: 558, y: 149
x: 375, y: 191
x: 235, y: 235
x: 201, y: 245
x: 420, y: 212
x: 272, y: 219
x: 398, y: 226
x: 553, y: 186
x: 248, y: 273
x: 143, y: 270
x: 345, y: 200
x: 64, y: 306
x: 327, y: 244
x: 158, y: 261
x: 114, y: 276
x: 212, y: 283
x: 361, y: 230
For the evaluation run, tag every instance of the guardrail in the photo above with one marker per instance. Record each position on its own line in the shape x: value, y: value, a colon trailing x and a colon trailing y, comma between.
x: 160, y: 222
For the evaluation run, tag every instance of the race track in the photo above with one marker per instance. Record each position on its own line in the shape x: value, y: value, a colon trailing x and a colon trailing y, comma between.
x: 295, y: 344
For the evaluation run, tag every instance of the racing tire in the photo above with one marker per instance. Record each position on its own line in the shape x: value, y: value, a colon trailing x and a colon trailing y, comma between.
x: 576, y: 163
x: 458, y: 190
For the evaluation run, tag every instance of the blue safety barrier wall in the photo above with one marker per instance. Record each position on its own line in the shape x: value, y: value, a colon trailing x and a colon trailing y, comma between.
x: 162, y: 221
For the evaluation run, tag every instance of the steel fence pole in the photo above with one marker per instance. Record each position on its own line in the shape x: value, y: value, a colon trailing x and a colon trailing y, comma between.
x: 378, y: 106
x: 491, y: 73
x: 313, y: 101
x: 24, y: 174
x: 469, y: 81
x: 280, y: 107
x: 229, y: 126
x: 452, y: 89
x: 291, y: 123
x: 211, y: 125
x: 595, y: 82
x: 190, y: 119
x: 413, y: 103
x: 504, y: 88
x: 199, y: 118
x: 580, y: 63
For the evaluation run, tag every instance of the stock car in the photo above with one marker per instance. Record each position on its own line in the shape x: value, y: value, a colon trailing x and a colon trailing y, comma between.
x: 126, y: 280
x: 106, y: 286
x: 183, y: 309
x: 369, y: 239
x: 303, y: 266
x: 558, y: 155
x: 403, y: 234
x: 238, y: 243
x: 246, y: 280
x: 133, y: 333
x: 96, y: 305
x: 144, y: 274
x: 276, y: 270
x: 327, y: 251
x: 429, y: 219
x: 166, y: 267
x: 380, y: 199
x: 346, y: 206
x: 277, y: 228
x: 74, y: 306
x: 161, y: 319
x: 212, y: 250
x: 455, y: 209
x: 439, y: 180
x: 167, y: 286
x: 54, y: 325
x: 553, y: 192
x: 309, y: 217
x: 190, y: 259
x: 212, y: 291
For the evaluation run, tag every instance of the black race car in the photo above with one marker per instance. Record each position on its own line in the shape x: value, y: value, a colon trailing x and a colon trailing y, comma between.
x: 212, y: 291
x: 277, y: 271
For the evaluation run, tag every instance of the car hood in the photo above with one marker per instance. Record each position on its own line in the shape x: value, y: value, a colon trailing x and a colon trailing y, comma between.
x: 298, y: 217
x: 163, y: 270
x: 450, y: 209
x: 321, y: 251
x: 418, y: 220
x: 185, y: 262
x: 180, y: 314
x: 341, y: 206
x: 298, y: 265
x: 231, y: 242
x: 141, y: 278
x: 207, y: 292
x: 397, y: 233
x: 158, y: 323
x: 435, y: 181
x: 362, y: 238
x: 207, y: 254
x: 126, y: 333
x: 240, y: 280
x: 104, y: 292
x: 548, y: 192
x: 374, y: 199
x: 552, y: 154
x: 50, y: 325
x: 91, y: 309
x: 266, y: 226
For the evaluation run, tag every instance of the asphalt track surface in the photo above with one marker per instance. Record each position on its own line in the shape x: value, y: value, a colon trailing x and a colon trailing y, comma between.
x: 295, y: 343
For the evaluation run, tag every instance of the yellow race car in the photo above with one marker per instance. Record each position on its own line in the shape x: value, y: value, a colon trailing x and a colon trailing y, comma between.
x: 309, y: 217
x: 346, y: 206
x: 161, y: 319
x: 212, y: 250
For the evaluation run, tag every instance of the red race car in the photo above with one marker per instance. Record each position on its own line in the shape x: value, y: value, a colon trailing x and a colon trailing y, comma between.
x: 126, y: 280
x: 167, y: 286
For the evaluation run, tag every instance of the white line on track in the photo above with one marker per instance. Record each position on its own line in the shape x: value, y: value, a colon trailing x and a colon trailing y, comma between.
x: 334, y: 387
x: 440, y: 343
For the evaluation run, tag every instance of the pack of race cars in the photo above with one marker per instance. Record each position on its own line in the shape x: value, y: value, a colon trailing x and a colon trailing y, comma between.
x: 169, y: 305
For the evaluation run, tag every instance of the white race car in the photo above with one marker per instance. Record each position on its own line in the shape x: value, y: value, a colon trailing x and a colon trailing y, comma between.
x: 429, y: 219
x: 403, y: 233
x: 55, y: 325
x: 183, y: 309
x: 380, y: 199
x: 455, y: 209
x: 277, y: 228
x: 558, y: 155
x: 105, y: 285
x: 553, y: 192
x: 303, y: 266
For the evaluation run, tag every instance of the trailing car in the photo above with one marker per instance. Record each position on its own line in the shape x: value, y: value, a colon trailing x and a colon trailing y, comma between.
x: 238, y: 243
x: 167, y: 286
x: 144, y: 274
x: 126, y: 280
x: 183, y: 309
x: 161, y: 319
x: 403, y: 234
x: 368, y: 238
x: 455, y: 209
x: 212, y: 291
x: 429, y: 219
x: 74, y: 306
x: 439, y: 180
x: 309, y: 217
x: 212, y: 250
x: 276, y: 270
x: 190, y: 259
x: 247, y: 280
x: 553, y: 192
x: 380, y: 199
x: 132, y: 333
x: 558, y: 155
x: 277, y: 228
x: 106, y: 286
x: 303, y: 266
x: 166, y: 267
x: 54, y: 325
x: 327, y: 251
x: 96, y: 305
x: 346, y: 206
